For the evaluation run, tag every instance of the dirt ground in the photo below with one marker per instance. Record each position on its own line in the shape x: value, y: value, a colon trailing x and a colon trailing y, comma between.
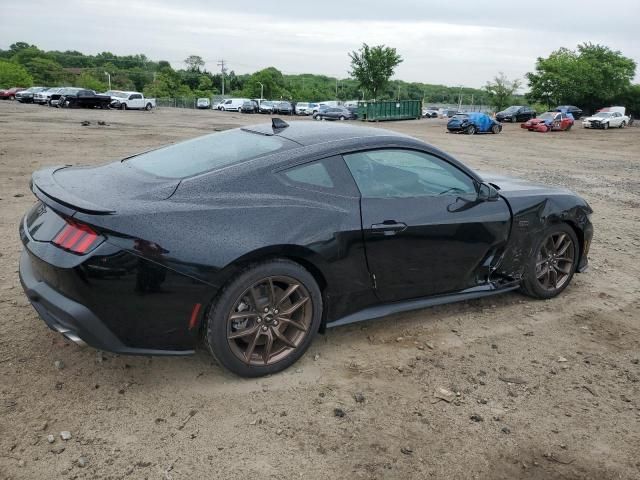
x: 545, y: 389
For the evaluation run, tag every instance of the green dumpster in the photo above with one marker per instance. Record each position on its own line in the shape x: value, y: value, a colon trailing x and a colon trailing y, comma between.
x: 391, y: 110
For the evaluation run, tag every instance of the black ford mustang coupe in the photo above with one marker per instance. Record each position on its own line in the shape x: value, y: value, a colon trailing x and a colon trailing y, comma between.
x: 254, y: 239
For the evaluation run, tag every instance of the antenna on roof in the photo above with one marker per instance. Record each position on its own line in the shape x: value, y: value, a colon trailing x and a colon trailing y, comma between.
x: 278, y: 124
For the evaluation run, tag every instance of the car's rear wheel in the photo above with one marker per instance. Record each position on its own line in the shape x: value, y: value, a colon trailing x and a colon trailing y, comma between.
x: 471, y: 130
x: 342, y: 118
x: 553, y: 264
x: 605, y: 126
x: 148, y: 107
x: 623, y: 124
x: 569, y: 127
x: 514, y: 119
x: 265, y: 318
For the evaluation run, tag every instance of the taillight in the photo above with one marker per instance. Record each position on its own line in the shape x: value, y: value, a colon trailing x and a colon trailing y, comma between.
x: 77, y: 237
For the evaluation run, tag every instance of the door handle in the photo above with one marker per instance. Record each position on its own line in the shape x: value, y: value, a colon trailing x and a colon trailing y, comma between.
x: 388, y: 227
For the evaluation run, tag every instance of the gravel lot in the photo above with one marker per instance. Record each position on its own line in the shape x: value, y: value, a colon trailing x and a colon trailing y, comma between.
x: 544, y: 389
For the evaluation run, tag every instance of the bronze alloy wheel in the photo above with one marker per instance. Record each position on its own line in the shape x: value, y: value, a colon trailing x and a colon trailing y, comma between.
x: 269, y: 320
x: 555, y: 260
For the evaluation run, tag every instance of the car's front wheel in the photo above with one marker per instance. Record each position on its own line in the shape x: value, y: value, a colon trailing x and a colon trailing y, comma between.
x: 496, y: 129
x: 471, y: 130
x: 553, y: 263
x: 265, y: 318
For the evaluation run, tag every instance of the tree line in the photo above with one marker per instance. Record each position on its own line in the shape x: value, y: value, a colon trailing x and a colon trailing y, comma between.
x: 23, y: 64
x: 590, y: 77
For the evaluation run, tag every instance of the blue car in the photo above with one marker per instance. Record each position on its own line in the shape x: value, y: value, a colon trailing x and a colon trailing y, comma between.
x: 474, y: 122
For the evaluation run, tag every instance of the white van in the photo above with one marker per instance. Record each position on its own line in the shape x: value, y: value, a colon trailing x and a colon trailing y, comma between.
x: 232, y: 105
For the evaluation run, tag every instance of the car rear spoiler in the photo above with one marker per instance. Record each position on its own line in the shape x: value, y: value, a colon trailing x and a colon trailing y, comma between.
x: 44, y: 186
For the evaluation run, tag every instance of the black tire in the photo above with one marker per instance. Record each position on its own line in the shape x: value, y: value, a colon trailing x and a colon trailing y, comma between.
x: 531, y: 285
x: 605, y: 126
x: 148, y: 107
x: 568, y: 128
x: 514, y: 119
x: 623, y: 124
x: 217, y: 326
x: 342, y: 118
x: 471, y: 130
x: 123, y: 106
x: 496, y: 129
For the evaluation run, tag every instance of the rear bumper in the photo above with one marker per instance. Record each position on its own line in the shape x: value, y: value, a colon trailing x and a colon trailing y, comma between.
x: 72, y: 319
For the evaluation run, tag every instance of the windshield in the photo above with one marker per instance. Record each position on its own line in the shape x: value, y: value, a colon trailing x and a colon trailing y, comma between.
x: 68, y: 91
x: 512, y: 109
x: 461, y: 117
x: 603, y: 114
x: 547, y: 116
x: 206, y: 153
x: 267, y: 103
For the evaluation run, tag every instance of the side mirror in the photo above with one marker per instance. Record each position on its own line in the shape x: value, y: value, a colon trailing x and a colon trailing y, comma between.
x: 487, y: 193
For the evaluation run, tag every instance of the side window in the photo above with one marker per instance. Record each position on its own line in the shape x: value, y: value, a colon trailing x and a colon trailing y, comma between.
x: 406, y: 173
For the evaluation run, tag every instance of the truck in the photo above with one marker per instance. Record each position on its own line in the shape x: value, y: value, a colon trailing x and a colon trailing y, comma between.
x: 131, y: 101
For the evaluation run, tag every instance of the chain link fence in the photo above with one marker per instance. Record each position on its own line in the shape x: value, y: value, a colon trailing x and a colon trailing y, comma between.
x: 184, y: 102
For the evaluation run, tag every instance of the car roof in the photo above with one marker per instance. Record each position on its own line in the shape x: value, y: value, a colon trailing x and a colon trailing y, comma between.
x: 314, y: 133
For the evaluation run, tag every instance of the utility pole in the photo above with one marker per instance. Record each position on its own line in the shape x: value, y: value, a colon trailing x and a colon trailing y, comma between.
x: 109, y: 77
x: 223, y: 70
x: 261, y: 91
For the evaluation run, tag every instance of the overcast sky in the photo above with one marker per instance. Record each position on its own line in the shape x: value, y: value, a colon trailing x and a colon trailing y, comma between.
x: 451, y: 43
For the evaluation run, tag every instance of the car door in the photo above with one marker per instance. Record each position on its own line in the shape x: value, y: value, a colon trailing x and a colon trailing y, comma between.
x: 135, y: 100
x: 425, y: 230
x: 616, y: 119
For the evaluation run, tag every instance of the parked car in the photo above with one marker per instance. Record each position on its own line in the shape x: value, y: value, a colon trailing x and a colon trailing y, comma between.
x: 449, y: 113
x: 9, y: 93
x: 203, y: 103
x: 472, y: 123
x: 575, y: 112
x: 319, y: 110
x: 132, y: 101
x: 43, y: 97
x: 249, y: 106
x: 266, y: 106
x: 218, y: 104
x: 515, y: 114
x: 549, y: 121
x: 304, y: 108
x: 283, y: 107
x: 54, y: 99
x: 430, y: 113
x: 354, y: 111
x: 610, y: 117
x: 27, y: 95
x: 369, y: 204
x: 335, y: 113
x: 83, y: 98
x: 233, y: 104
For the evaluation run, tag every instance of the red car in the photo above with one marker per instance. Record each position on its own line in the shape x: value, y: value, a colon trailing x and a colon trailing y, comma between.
x: 556, y: 121
x: 10, y: 93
